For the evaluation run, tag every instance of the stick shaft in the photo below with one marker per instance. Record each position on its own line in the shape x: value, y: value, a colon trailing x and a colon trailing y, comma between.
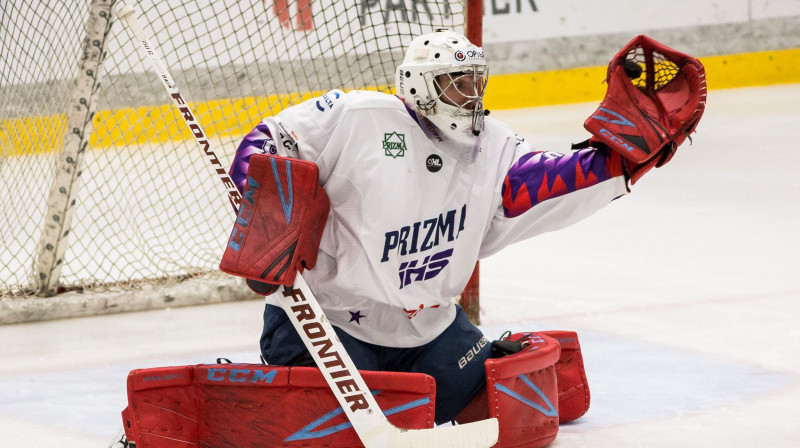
x: 128, y: 13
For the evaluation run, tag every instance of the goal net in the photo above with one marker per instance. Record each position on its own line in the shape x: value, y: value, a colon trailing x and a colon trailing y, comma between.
x: 102, y: 186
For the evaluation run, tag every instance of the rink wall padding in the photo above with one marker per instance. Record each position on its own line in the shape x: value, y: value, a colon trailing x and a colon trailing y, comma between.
x: 504, y: 91
x: 576, y: 85
x: 207, y: 290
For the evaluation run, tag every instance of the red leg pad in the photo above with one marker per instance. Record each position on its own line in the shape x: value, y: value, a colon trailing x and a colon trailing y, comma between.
x: 523, y: 393
x: 573, y: 388
x: 255, y: 406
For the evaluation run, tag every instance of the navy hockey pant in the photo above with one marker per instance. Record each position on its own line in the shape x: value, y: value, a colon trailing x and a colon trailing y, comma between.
x: 457, y: 381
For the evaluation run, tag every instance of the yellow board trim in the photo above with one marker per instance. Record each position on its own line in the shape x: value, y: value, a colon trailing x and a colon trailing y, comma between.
x: 579, y: 85
x: 158, y: 124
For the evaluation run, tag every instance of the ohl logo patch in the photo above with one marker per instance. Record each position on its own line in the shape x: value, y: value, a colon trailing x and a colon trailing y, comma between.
x: 394, y: 145
x: 433, y: 163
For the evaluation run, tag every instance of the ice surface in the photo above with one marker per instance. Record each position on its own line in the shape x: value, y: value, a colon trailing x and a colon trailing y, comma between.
x: 685, y: 295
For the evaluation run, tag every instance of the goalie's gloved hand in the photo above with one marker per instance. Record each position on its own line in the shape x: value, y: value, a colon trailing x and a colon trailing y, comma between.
x: 503, y: 347
x: 655, y: 99
x: 636, y: 171
x: 633, y: 171
x: 264, y: 289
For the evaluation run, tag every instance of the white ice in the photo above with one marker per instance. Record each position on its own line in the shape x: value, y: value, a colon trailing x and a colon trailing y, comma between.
x: 685, y: 295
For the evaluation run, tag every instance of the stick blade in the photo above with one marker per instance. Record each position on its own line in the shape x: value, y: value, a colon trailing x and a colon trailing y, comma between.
x: 480, y: 434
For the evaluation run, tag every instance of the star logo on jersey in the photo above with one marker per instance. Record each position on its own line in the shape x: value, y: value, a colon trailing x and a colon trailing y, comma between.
x: 356, y: 317
x: 394, y: 144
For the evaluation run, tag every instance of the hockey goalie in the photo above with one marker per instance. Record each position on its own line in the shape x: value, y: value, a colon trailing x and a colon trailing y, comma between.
x: 384, y: 203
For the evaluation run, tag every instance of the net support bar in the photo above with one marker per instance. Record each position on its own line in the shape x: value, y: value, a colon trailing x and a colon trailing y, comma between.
x: 66, y: 182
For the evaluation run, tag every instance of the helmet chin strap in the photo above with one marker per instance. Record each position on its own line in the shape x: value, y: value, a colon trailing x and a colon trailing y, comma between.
x: 477, y: 118
x: 426, y: 108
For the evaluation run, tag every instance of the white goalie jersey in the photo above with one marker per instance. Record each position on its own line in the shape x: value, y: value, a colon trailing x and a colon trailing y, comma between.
x: 408, y: 221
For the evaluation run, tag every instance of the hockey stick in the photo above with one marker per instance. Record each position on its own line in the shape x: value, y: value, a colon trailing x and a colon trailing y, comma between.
x: 128, y: 13
x: 315, y: 330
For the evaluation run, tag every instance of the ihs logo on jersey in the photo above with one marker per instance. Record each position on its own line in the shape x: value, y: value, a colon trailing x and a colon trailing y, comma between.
x: 394, y: 144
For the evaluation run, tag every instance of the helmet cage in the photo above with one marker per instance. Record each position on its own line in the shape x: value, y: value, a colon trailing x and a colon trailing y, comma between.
x: 439, y: 92
x: 457, y: 98
x: 466, y: 96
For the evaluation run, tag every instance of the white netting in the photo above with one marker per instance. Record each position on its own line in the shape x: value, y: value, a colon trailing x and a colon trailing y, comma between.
x: 148, y: 206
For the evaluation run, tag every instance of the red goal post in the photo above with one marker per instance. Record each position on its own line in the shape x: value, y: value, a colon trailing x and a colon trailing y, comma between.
x: 470, y: 297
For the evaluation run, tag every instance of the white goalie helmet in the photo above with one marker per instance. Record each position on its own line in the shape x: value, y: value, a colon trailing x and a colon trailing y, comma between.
x: 443, y: 77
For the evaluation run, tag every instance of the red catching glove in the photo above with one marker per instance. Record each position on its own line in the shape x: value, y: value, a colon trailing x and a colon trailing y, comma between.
x: 279, y: 226
x: 655, y: 98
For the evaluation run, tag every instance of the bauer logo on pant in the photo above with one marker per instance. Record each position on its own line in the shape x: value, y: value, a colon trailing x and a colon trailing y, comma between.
x: 472, y: 352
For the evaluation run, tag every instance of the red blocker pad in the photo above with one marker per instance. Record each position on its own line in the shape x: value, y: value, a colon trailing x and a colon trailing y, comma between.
x: 279, y: 226
x: 573, y: 388
x: 256, y: 406
x: 655, y: 96
x: 523, y: 393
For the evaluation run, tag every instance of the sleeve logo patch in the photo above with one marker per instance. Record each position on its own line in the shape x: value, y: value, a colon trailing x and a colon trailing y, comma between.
x: 327, y: 101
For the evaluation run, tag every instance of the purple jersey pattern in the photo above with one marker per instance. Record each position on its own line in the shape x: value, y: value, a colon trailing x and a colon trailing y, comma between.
x: 538, y: 176
x: 258, y: 141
